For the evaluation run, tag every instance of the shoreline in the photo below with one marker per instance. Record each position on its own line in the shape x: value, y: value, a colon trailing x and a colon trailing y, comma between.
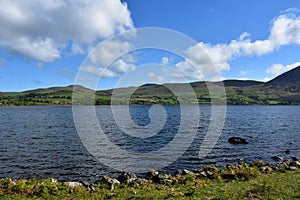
x: 240, y: 172
x: 278, y: 163
x: 70, y: 105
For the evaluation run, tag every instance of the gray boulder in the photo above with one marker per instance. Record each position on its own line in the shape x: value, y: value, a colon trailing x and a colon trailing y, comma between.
x: 127, y: 177
x: 292, y: 168
x: 73, y: 184
x: 108, y: 181
x: 277, y: 158
x: 237, y: 140
x: 295, y: 158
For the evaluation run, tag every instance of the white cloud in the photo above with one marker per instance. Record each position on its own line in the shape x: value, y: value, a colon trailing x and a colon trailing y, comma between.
x: 203, y: 56
x: 41, y: 30
x: 266, y: 79
x: 245, y: 72
x: 292, y: 66
x: 242, y: 78
x: 285, y: 30
x: 184, y: 70
x: 164, y: 61
x: 92, y: 70
x: 121, y: 66
x: 277, y: 69
x: 108, y: 52
x: 44, y: 50
x: 160, y: 79
x: 110, y: 55
x: 76, y: 49
x: 244, y: 36
x: 41, y: 66
x: 153, y: 77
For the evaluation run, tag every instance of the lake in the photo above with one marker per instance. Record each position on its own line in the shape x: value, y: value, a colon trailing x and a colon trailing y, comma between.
x: 43, y: 142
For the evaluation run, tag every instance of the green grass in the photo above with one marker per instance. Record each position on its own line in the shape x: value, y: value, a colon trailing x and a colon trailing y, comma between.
x: 275, y: 185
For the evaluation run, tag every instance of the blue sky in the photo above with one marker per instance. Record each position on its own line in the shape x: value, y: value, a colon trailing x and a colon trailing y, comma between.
x: 43, y: 43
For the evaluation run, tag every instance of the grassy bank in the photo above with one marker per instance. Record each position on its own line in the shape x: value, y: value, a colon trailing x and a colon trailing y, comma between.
x: 241, y: 181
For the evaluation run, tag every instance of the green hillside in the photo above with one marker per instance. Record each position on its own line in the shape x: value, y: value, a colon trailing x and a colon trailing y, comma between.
x: 282, y: 90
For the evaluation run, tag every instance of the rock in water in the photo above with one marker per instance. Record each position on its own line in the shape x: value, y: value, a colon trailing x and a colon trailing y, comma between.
x: 237, y: 140
x: 295, y: 164
x: 277, y: 158
x: 295, y: 158
x: 287, y: 151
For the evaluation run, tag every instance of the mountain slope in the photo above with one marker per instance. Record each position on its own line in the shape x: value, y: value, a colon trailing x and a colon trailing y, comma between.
x: 284, y: 89
x: 285, y: 86
x: 241, y: 83
x: 56, y: 90
x: 290, y: 78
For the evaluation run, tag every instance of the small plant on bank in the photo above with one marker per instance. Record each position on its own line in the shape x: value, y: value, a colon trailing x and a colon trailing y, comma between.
x: 239, y: 172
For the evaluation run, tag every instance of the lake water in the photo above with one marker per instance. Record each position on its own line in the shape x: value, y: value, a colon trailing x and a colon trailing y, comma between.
x: 43, y: 142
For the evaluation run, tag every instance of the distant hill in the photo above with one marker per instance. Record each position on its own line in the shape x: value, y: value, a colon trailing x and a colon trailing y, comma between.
x: 241, y: 83
x: 284, y: 89
x: 290, y: 78
x: 55, y: 90
x: 286, y: 86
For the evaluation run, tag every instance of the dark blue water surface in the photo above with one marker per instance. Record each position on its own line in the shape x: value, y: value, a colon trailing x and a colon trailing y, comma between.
x: 43, y: 142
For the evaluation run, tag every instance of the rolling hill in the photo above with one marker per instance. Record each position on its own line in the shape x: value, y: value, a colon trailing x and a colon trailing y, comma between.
x: 284, y: 89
